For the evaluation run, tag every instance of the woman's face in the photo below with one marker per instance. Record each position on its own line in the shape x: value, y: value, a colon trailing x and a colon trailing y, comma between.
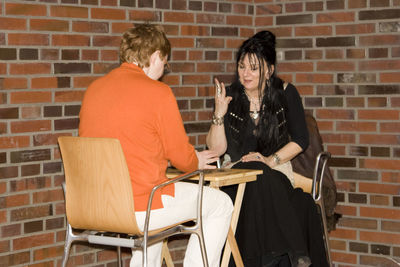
x: 249, y: 72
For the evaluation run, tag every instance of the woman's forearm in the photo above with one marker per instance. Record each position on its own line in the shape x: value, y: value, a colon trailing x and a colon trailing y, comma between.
x: 287, y: 153
x: 216, y: 139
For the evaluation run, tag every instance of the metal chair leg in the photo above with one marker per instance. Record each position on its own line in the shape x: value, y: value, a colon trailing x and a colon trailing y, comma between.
x: 70, y: 237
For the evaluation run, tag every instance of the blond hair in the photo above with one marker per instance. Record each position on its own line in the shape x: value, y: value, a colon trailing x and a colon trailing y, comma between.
x: 140, y: 42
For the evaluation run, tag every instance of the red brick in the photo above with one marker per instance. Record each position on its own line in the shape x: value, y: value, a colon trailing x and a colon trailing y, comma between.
x: 69, y: 96
x: 379, y: 139
x: 380, y: 41
x: 350, y: 29
x: 335, y: 114
x: 379, y: 65
x: 390, y: 127
x: 339, y: 138
x: 387, y: 238
x: 171, y: 80
x: 47, y: 196
x: 181, y: 17
x: 196, y: 79
x: 184, y: 91
x: 28, y: 39
x: 334, y: 54
x: 30, y: 126
x: 16, y: 200
x: 46, y: 139
x: 392, y: 77
x: 69, y: 11
x: 314, y: 78
x: 30, y: 213
x: 25, y: 9
x: 14, y: 83
x: 107, y: 13
x: 47, y: 253
x: 346, y: 210
x: 344, y: 257
x: 233, y: 43
x: 378, y: 114
x: 333, y: 17
x: 355, y: 53
x: 241, y: 20
x: 12, y: 24
x: 14, y: 142
x: 210, y: 67
x: 380, y: 188
x: 209, y: 18
x: 44, y: 82
x: 294, y: 7
x: 15, y: 259
x: 83, y: 81
x: 144, y: 15
x: 109, y: 55
x: 344, y: 234
x: 30, y: 68
x: 393, y: 214
x: 296, y: 66
x: 119, y: 27
x: 70, y: 40
x: 391, y: 177
x: 49, y: 25
x: 313, y: 30
x: 33, y: 241
x: 194, y: 30
x: 379, y: 200
x: 30, y: 97
x: 4, y: 246
x: 336, y: 66
x: 355, y: 126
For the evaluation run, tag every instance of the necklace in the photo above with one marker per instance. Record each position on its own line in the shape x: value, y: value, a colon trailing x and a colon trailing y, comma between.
x: 256, y: 103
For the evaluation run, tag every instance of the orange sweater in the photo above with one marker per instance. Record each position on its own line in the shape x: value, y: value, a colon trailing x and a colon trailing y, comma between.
x: 143, y: 114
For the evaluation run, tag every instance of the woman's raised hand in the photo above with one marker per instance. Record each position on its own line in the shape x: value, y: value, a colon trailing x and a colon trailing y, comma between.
x: 221, y: 100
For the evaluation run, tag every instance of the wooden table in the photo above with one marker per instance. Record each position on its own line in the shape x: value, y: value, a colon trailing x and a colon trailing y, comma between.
x: 217, y: 179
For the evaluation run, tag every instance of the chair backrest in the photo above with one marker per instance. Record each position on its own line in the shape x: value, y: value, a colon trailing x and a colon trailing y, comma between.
x: 98, y: 187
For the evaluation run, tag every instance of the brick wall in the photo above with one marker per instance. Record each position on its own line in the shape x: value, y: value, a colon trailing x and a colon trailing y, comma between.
x: 343, y: 56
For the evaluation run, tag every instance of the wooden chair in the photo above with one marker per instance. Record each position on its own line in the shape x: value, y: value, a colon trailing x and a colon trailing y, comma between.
x: 314, y: 187
x: 99, y: 199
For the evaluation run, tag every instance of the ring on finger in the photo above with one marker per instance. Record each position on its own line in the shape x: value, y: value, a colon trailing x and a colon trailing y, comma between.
x: 218, y: 89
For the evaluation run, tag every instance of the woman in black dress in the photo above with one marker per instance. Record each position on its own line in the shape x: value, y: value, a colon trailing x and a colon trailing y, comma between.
x: 259, y: 123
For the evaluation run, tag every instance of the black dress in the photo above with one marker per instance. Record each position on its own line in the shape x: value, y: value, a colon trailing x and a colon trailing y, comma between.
x: 277, y: 223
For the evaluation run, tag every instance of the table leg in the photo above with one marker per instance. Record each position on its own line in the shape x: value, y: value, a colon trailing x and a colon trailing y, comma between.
x: 231, y: 245
x: 165, y: 255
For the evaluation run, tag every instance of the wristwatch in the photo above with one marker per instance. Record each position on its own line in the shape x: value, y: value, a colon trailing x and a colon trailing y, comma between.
x: 276, y: 159
x: 217, y: 120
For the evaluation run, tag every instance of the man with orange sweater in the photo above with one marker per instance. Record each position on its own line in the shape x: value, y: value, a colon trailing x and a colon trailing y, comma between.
x: 130, y: 104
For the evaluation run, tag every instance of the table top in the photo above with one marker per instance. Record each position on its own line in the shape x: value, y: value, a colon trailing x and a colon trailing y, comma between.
x: 223, y: 177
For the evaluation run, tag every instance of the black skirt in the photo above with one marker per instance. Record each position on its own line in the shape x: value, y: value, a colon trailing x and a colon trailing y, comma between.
x: 277, y: 224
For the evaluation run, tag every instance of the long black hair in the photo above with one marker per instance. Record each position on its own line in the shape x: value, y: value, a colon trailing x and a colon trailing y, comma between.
x: 271, y: 130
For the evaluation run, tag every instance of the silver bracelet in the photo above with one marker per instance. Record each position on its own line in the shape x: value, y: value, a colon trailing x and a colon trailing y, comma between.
x: 217, y: 120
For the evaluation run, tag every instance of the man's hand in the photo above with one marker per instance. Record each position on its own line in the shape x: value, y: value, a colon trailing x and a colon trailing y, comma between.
x: 206, y: 157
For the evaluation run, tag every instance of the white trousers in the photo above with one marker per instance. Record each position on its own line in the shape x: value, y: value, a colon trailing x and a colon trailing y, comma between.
x: 217, y: 212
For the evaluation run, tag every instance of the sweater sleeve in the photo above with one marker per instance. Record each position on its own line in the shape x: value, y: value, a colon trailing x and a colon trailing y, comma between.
x: 296, y: 119
x: 176, y: 146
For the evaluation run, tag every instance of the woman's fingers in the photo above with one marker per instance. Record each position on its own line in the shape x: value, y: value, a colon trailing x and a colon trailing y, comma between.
x: 253, y: 156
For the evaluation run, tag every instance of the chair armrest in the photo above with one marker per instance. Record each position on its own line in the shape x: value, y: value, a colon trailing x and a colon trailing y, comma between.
x: 319, y: 171
x: 171, y: 181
